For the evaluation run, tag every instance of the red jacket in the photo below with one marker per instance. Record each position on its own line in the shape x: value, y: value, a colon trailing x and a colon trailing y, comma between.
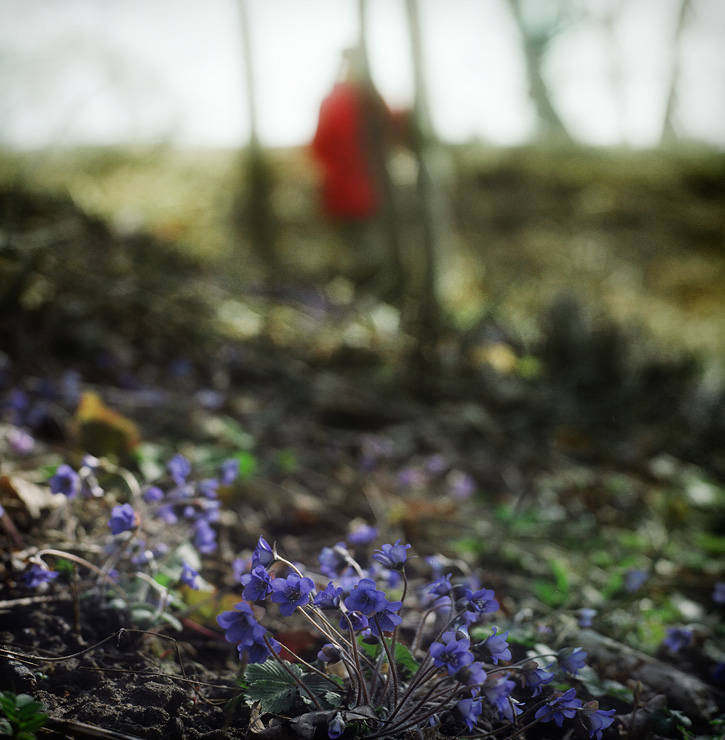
x: 350, y: 188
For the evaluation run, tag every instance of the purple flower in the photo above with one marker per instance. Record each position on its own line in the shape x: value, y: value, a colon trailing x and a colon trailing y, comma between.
x: 257, y: 584
x: 718, y: 592
x: 392, y: 556
x: 477, y: 603
x: 152, y: 494
x: 453, y: 653
x: 470, y: 710
x: 291, y: 592
x: 363, y: 535
x: 65, y: 481
x: 599, y: 719
x: 472, y: 674
x: 498, y: 693
x: 634, y: 579
x: 332, y: 558
x: 21, y: 443
x: 35, y: 575
x: 559, y: 707
x: 238, y: 625
x: 358, y: 622
x: 441, y: 586
x: 536, y: 677
x: 436, y: 464
x: 386, y: 620
x: 329, y: 653
x: 411, y: 477
x: 495, y: 647
x: 229, y: 470
x: 571, y: 659
x: 585, y: 617
x: 123, y: 519
x: 336, y: 726
x: 167, y: 514
x: 179, y: 468
x: 257, y: 651
x: 677, y: 638
x: 203, y: 536
x: 329, y: 598
x: 460, y: 485
x: 208, y: 488
x: 263, y: 554
x: 365, y: 598
x: 188, y: 576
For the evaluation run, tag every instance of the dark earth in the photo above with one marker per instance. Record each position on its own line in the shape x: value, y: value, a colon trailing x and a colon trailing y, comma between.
x: 566, y: 398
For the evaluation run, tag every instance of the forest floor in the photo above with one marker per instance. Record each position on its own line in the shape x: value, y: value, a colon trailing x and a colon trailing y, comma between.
x: 565, y: 444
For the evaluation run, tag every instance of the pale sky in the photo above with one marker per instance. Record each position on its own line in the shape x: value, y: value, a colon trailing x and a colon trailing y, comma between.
x: 146, y: 71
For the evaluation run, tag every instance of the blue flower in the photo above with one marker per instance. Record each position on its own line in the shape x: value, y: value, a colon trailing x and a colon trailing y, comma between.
x: 257, y: 650
x: 203, y: 536
x: 329, y: 653
x: 386, y: 620
x: 585, y: 617
x: 634, y: 579
x: 477, y: 603
x: 257, y: 584
x: 453, y: 653
x: 461, y: 486
x: 599, y: 719
x: 495, y: 647
x: 365, y: 598
x: 470, y: 710
x: 263, y: 554
x: 559, y: 707
x: 392, y: 556
x: 536, y: 677
x: 291, y: 592
x: 329, y: 598
x: 441, y: 586
x: 167, y: 514
x: 65, y: 481
x: 228, y: 471
x: 677, y: 638
x: 336, y: 726
x: 498, y: 693
x: 238, y: 625
x: 571, y: 659
x: 152, y: 494
x: 179, y: 468
x: 718, y: 592
x: 188, y: 576
x: 123, y: 519
x: 358, y: 622
x: 363, y: 535
x: 332, y: 558
x: 472, y: 674
x: 36, y: 575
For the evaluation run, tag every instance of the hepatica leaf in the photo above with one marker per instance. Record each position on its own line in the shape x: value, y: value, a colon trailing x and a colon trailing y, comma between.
x: 270, y: 685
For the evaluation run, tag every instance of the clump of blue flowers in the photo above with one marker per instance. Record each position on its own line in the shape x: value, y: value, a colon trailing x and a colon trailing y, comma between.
x: 155, y: 539
x: 398, y: 656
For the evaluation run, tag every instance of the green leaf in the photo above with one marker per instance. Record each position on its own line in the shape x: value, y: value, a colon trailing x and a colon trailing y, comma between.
x: 405, y: 658
x: 271, y: 685
x: 5, y: 728
x: 247, y: 464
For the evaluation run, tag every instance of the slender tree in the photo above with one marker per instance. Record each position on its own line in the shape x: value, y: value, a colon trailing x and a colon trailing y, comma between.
x: 253, y: 207
x: 536, y: 37
x: 427, y: 314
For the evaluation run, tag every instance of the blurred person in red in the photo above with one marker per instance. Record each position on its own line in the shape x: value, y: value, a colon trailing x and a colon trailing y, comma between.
x: 352, y: 143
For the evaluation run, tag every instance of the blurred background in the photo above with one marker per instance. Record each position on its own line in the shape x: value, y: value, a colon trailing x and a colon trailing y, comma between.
x: 567, y: 145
